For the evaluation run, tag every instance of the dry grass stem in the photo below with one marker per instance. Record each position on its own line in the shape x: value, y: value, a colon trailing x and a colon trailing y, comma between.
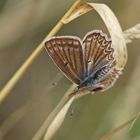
x: 58, y: 120
x: 120, y: 127
x: 113, y: 26
x: 124, y: 105
x: 53, y: 114
x: 11, y: 83
x: 132, y: 33
x: 17, y: 115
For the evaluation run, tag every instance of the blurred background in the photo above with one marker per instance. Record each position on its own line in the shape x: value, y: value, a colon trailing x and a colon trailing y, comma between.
x: 23, y: 25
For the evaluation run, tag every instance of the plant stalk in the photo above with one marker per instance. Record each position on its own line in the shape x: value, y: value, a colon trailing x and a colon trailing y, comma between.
x: 19, y: 73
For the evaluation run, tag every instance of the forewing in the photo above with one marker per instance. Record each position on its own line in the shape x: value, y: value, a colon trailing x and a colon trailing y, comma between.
x: 67, y: 53
x: 97, y: 51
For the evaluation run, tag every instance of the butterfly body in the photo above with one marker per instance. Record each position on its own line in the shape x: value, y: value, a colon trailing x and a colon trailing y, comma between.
x: 89, y: 63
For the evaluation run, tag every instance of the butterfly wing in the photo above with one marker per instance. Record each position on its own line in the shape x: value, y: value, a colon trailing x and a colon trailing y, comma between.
x: 99, y: 61
x: 67, y: 53
x: 97, y: 51
x: 108, y: 81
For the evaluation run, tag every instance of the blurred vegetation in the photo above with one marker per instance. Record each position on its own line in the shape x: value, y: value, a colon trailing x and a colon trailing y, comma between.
x: 23, y: 25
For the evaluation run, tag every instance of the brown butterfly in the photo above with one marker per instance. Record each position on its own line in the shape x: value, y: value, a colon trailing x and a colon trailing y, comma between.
x: 89, y: 63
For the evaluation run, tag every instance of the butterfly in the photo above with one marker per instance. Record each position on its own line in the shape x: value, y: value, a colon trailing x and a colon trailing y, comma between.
x: 89, y: 63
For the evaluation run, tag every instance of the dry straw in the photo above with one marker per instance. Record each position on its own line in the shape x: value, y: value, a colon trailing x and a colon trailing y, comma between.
x: 131, y: 121
x: 11, y: 83
x: 119, y: 39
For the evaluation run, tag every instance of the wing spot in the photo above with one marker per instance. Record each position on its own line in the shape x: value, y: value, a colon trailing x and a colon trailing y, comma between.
x: 89, y: 39
x: 51, y: 50
x: 70, y: 42
x: 65, y: 63
x: 53, y: 43
x: 76, y: 43
x: 63, y: 42
x: 48, y: 45
x: 59, y: 42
